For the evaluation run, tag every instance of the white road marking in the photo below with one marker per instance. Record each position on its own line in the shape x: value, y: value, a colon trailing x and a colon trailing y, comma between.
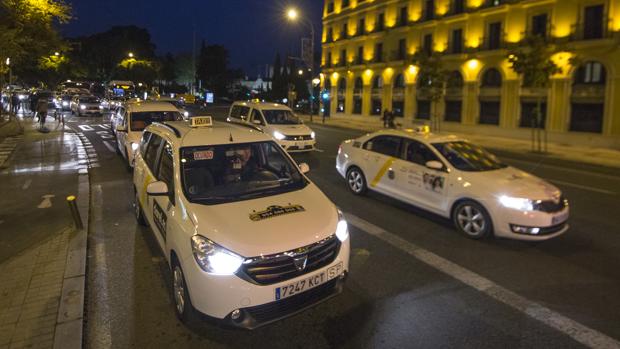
x: 582, y: 334
x: 104, y: 134
x: 319, y: 150
x: 565, y: 169
x: 27, y: 184
x: 109, y: 146
x: 85, y: 128
x: 584, y: 187
x: 47, y: 201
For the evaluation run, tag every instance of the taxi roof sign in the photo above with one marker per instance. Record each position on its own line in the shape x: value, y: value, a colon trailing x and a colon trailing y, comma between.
x: 201, y: 121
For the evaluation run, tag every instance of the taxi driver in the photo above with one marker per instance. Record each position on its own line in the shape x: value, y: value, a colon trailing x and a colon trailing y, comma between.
x: 241, y: 165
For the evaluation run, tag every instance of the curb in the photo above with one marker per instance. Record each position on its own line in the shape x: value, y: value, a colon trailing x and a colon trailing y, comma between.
x: 70, y: 320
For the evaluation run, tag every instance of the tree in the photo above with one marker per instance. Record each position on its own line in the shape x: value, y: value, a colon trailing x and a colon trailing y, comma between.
x: 533, y: 61
x: 431, y: 82
x: 276, y: 80
x: 212, y: 68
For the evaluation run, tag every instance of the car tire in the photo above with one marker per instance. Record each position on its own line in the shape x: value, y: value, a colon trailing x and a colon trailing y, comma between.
x: 356, y: 181
x: 139, y: 214
x: 182, y: 303
x: 472, y: 220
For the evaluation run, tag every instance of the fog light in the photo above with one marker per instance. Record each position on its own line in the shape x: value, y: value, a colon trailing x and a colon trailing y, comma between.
x: 236, y: 314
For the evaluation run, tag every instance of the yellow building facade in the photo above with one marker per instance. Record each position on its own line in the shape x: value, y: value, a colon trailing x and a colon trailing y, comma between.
x: 367, y: 68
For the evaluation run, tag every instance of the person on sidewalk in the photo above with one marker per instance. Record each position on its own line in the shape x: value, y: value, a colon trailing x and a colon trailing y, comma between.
x: 14, y: 103
x: 391, y: 119
x: 385, y: 118
x: 33, y: 104
x: 42, y: 110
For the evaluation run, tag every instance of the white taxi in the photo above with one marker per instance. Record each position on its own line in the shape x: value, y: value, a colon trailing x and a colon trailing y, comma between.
x: 278, y: 121
x: 249, y: 238
x: 133, y: 118
x: 456, y: 179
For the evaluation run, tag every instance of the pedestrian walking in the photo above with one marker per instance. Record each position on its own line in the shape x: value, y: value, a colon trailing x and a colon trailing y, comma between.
x: 14, y: 103
x: 33, y: 104
x: 42, y: 110
x: 385, y: 118
x: 390, y: 117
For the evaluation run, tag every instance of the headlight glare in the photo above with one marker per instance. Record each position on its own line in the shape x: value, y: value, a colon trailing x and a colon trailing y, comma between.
x: 134, y: 146
x: 313, y: 135
x: 279, y: 136
x: 82, y: 106
x: 516, y: 203
x: 213, y: 258
x: 342, y: 228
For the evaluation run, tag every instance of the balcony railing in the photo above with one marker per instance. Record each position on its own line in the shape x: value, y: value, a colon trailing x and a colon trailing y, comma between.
x: 580, y: 32
x: 398, y: 55
x: 588, y: 91
x: 488, y: 44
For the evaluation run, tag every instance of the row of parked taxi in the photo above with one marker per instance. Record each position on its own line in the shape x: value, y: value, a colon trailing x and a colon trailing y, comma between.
x: 251, y: 240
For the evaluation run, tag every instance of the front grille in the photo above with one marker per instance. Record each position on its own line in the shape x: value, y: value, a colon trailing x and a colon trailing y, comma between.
x: 279, y: 309
x: 549, y: 206
x: 298, y: 138
x: 272, y: 269
x: 552, y: 230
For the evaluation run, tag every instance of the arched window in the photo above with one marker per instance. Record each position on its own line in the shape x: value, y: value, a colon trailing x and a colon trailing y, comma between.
x: 399, y: 81
x: 342, y: 87
x: 588, y: 98
x: 377, y: 82
x: 591, y: 73
x: 328, y: 83
x: 454, y: 97
x: 342, y: 84
x: 357, y: 95
x: 492, y: 78
x: 455, y: 80
x: 358, y: 84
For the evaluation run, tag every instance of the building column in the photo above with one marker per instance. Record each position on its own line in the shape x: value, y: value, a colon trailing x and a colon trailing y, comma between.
x: 366, y: 100
x: 409, y: 112
x: 471, y: 105
x: 387, y: 97
x: 611, y: 122
x: 348, y: 98
x: 559, y: 105
x: 333, y: 105
x: 509, y: 117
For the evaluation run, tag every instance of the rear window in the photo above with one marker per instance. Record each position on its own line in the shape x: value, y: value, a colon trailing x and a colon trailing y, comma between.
x: 140, y: 120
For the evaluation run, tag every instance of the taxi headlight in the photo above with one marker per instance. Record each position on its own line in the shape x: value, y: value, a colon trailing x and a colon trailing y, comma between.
x: 517, y: 203
x: 313, y: 135
x: 134, y: 146
x: 82, y: 106
x: 65, y: 103
x: 186, y: 114
x: 279, y: 136
x: 342, y: 228
x: 213, y: 258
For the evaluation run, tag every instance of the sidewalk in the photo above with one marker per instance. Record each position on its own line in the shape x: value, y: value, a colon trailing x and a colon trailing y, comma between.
x: 593, y: 156
x: 42, y: 255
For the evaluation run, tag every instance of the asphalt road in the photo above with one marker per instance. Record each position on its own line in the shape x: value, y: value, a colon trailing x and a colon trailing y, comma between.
x: 493, y: 293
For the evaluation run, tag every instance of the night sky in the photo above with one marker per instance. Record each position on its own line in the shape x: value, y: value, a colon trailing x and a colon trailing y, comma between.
x: 252, y: 30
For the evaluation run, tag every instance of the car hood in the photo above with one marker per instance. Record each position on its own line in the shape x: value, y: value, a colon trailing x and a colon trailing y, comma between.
x: 291, y: 130
x: 513, y: 182
x: 250, y: 228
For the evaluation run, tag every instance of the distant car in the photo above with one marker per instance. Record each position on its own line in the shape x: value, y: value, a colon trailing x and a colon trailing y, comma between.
x: 178, y: 103
x: 135, y: 118
x: 87, y: 105
x: 456, y: 179
x: 278, y: 121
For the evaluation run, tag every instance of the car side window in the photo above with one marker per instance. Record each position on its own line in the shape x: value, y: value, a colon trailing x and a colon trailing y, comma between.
x: 386, y: 145
x: 152, y: 151
x: 244, y: 112
x: 418, y: 153
x: 166, y: 169
x: 256, y: 115
x: 144, y: 142
x: 235, y: 112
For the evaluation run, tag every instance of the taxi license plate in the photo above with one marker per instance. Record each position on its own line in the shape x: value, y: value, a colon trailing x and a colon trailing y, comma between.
x: 561, y: 218
x: 308, y: 283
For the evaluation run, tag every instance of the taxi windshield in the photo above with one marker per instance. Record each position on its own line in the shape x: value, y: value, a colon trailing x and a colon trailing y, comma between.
x: 233, y: 172
x: 469, y: 157
x: 140, y: 120
x: 281, y: 117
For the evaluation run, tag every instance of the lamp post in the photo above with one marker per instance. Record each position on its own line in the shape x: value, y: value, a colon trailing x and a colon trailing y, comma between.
x: 8, y: 64
x: 293, y: 15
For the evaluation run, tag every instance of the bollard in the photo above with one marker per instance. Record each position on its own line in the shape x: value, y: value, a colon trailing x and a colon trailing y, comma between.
x: 74, y: 212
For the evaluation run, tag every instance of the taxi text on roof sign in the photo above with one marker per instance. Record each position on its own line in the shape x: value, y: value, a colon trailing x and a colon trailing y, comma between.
x: 201, y: 121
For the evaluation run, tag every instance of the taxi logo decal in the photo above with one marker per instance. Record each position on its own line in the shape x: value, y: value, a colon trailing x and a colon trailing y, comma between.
x: 433, y: 182
x: 274, y: 211
x: 382, y: 172
x: 160, y: 218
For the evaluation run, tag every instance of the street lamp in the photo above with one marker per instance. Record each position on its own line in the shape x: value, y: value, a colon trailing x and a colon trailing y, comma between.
x: 56, y: 53
x: 300, y: 72
x: 293, y: 15
x: 130, y: 55
x: 8, y: 63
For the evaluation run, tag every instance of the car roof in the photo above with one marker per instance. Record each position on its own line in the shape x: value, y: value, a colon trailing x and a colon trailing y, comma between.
x: 181, y: 134
x: 141, y: 106
x: 427, y: 137
x: 262, y: 105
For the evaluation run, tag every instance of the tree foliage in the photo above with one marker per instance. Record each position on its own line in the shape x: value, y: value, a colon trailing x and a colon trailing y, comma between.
x: 27, y: 32
x: 533, y: 61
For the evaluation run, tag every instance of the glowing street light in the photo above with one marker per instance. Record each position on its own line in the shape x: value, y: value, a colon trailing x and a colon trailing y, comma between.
x: 300, y: 72
x: 292, y: 14
x: 8, y: 61
x: 130, y: 55
x: 56, y: 53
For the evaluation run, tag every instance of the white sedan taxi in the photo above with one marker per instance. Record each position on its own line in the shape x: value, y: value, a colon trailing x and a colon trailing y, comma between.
x: 456, y: 179
x: 249, y: 238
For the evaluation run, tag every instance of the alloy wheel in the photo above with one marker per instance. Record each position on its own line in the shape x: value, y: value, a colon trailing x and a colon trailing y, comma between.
x: 179, y: 289
x: 471, y: 220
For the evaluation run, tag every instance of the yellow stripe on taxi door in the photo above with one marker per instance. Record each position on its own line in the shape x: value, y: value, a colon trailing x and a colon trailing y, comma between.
x: 382, y: 172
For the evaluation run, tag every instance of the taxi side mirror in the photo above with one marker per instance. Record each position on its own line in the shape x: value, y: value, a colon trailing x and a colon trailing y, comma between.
x: 434, y: 165
x: 121, y: 128
x: 158, y: 188
x: 304, y: 168
x: 257, y: 122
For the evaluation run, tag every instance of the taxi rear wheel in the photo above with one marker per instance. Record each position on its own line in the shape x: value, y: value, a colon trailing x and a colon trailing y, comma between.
x: 472, y: 220
x: 356, y: 181
x: 138, y: 210
x: 182, y: 303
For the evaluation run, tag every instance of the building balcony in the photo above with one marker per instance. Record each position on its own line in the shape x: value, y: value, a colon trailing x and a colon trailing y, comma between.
x: 398, y: 56
x: 534, y: 92
x: 489, y: 45
x: 581, y: 32
x: 588, y: 91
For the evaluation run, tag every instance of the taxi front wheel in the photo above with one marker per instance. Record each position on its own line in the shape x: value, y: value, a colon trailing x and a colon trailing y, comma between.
x: 472, y: 220
x: 138, y: 210
x: 183, y: 305
x: 356, y: 181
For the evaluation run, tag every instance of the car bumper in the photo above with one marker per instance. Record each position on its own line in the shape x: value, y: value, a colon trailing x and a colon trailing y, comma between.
x: 298, y: 146
x: 540, y: 225
x: 216, y: 296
